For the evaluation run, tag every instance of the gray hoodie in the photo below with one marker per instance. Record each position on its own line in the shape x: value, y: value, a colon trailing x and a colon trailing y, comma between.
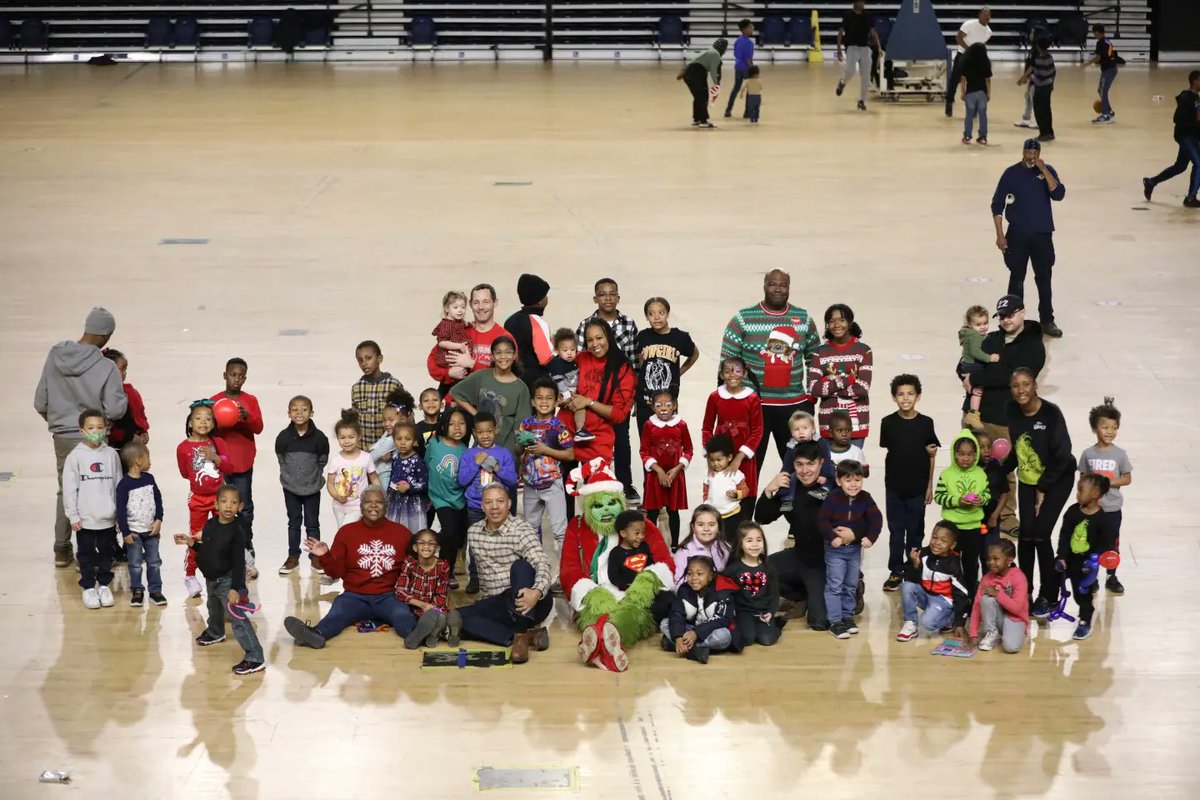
x: 77, y: 376
x: 90, y: 476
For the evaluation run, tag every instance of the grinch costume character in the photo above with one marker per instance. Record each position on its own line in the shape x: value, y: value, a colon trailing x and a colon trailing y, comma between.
x: 610, y: 620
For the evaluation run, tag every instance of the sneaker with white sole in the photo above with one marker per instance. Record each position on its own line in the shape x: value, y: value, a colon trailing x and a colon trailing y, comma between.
x: 908, y: 631
x: 158, y: 599
x: 106, y: 597
x: 851, y: 626
x: 192, y: 584
x: 91, y: 598
x: 989, y: 640
x: 137, y: 598
x: 1025, y: 123
x: 205, y: 639
x: 244, y: 667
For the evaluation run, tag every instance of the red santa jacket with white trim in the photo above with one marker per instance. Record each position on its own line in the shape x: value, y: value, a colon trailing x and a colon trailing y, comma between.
x: 579, y: 547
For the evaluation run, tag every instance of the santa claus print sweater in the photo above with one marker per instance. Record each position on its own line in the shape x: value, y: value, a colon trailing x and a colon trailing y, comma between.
x: 780, y: 377
x: 368, y: 557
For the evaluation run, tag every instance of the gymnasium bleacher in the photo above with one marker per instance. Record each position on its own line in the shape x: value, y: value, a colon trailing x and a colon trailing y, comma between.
x: 216, y: 30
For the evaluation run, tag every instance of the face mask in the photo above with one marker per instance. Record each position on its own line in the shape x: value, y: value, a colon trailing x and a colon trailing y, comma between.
x: 95, y: 437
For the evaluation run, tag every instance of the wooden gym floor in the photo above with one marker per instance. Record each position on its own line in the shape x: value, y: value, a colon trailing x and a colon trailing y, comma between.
x: 344, y: 200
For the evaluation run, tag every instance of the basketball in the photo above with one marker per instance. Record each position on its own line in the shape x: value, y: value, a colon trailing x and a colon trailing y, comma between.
x: 1000, y: 449
x: 226, y: 413
x: 1097, y: 106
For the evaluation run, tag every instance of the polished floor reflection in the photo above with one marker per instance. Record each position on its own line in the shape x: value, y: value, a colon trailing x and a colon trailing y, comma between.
x: 342, y: 202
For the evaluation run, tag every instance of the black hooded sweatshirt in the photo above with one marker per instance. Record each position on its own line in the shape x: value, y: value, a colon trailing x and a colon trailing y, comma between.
x: 1187, y: 108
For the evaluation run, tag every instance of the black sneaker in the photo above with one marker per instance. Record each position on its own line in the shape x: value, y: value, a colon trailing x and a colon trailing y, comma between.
x: 893, y: 583
x: 850, y: 625
x: 244, y: 667
x: 454, y: 584
x: 841, y: 87
x: 158, y: 599
x: 1191, y: 202
x: 838, y: 629
x: 583, y: 434
x: 705, y: 124
x: 1047, y: 138
x: 1041, y: 608
x: 137, y: 599
x: 632, y: 498
x: 1114, y: 585
x: 303, y: 633
x: 862, y: 106
x: 473, y: 586
x: 206, y: 638
x: 698, y: 653
x: 1147, y: 188
x: 1051, y: 330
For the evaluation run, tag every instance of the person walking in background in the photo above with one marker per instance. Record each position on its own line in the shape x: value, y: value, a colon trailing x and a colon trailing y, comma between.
x: 1106, y: 57
x: 1040, y: 71
x: 1187, y: 136
x: 743, y: 59
x: 976, y: 90
x: 857, y: 31
x: 973, y: 31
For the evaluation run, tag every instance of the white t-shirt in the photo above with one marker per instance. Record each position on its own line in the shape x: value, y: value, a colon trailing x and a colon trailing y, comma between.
x: 718, y: 485
x: 351, y: 475
x: 974, y: 31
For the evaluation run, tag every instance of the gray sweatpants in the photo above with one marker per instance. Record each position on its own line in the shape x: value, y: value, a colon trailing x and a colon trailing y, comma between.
x: 1028, y: 115
x: 552, y: 502
x: 858, y: 58
x: 63, y: 445
x: 993, y: 618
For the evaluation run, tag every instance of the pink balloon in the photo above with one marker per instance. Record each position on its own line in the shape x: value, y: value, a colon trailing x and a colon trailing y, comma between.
x: 1000, y: 449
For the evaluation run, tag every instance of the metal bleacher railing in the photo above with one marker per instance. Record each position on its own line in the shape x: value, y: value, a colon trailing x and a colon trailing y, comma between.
x: 499, y: 29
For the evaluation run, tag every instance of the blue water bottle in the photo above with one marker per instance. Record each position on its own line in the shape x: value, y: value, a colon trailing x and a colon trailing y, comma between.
x: 462, y: 658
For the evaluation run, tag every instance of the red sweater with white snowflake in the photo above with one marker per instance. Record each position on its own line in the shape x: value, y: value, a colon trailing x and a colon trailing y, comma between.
x: 368, y: 557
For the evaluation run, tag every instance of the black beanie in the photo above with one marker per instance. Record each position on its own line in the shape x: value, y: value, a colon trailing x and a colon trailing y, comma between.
x: 531, y: 289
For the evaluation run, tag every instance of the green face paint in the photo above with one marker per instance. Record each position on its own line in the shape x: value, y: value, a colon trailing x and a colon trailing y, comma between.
x: 601, y: 510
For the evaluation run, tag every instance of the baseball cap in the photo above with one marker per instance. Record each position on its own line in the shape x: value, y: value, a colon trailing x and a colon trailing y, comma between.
x: 1009, y: 304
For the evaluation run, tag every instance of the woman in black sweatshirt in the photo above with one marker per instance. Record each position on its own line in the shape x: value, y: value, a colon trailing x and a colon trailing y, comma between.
x: 1041, y: 455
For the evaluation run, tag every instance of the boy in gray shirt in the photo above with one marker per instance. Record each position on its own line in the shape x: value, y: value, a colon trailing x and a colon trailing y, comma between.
x: 1108, y: 460
x: 89, y: 480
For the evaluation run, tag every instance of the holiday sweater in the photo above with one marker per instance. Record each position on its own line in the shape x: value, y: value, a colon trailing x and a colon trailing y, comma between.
x: 955, y: 483
x: 740, y: 416
x: 839, y: 375
x: 1013, y: 597
x: 758, y: 591
x: 367, y: 558
x: 942, y: 576
x: 1041, y: 446
x: 205, y: 475
x: 781, y: 376
x: 667, y: 445
x: 239, y: 437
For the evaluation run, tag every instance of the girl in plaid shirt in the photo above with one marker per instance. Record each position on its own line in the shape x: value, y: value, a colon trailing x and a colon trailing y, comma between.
x: 423, y: 583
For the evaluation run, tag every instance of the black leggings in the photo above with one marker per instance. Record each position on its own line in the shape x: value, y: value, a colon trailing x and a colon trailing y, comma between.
x: 1037, y: 534
x: 672, y: 520
x: 751, y: 629
x: 453, y: 533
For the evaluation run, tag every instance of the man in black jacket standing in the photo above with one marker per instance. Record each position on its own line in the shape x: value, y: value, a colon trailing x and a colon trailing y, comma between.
x: 1019, y: 344
x: 1187, y: 135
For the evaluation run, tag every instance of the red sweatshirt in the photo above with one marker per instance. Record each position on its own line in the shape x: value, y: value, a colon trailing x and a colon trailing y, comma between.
x: 205, y: 476
x: 240, y: 438
x: 368, y: 557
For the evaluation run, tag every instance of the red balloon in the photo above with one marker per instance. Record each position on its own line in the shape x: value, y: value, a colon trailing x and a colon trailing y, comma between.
x: 226, y: 413
x: 1110, y: 560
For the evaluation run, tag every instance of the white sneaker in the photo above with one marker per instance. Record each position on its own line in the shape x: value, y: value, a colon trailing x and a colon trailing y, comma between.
x: 105, y: 595
x: 908, y: 632
x: 1025, y: 123
x: 91, y: 598
x: 192, y: 584
x: 989, y: 640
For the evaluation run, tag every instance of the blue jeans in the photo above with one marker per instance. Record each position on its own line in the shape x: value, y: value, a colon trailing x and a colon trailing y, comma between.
x: 720, y: 639
x: 351, y: 607
x: 739, y: 75
x: 976, y: 105
x: 243, y: 481
x: 1106, y: 81
x: 841, y: 580
x: 243, y: 631
x: 938, y: 610
x: 1189, y: 153
x: 304, y: 508
x: 906, y: 528
x: 144, y: 550
x: 753, y: 106
x: 495, y: 619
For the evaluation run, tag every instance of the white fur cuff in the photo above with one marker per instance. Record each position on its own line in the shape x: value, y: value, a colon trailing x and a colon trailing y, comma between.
x: 579, y: 591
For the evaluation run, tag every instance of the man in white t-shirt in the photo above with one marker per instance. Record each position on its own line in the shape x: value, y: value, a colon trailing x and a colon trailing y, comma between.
x: 972, y: 31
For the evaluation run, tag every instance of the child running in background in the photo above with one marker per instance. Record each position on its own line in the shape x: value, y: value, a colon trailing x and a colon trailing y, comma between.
x: 704, y: 539
x: 1001, y: 611
x: 203, y: 461
x: 976, y: 82
x: 139, y: 521
x: 349, y: 471
x: 963, y: 492
x: 933, y: 582
x: 970, y: 337
x: 735, y: 409
x: 756, y: 603
x: 666, y: 451
x: 451, y: 333
x: 849, y: 522
x: 408, y: 489
x: 303, y: 453
x: 702, y: 615
x: 725, y: 487
x: 1105, y: 458
x: 1085, y: 533
x: 424, y: 583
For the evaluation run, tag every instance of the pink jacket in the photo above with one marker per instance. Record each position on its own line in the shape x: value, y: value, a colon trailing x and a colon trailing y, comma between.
x: 1013, y: 596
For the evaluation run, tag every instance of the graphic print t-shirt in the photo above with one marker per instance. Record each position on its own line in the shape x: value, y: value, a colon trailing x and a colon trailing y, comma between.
x: 351, y: 475
x: 660, y: 356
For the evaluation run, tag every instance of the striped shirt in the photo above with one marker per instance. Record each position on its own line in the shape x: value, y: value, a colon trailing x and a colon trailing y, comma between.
x: 495, y: 551
x: 368, y: 397
x: 624, y: 331
x: 746, y: 337
x: 840, y: 377
x: 1043, y: 69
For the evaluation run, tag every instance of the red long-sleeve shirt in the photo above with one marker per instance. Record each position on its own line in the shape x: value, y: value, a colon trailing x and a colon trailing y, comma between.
x: 430, y: 586
x: 240, y: 438
x: 619, y: 395
x: 368, y: 557
x: 205, y: 475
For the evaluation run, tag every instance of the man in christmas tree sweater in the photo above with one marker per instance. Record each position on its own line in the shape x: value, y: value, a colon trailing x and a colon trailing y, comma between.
x: 366, y: 555
x: 609, y: 623
x: 748, y: 336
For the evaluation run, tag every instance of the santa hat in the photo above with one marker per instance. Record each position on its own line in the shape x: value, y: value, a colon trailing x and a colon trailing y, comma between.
x: 593, y: 476
x: 783, y: 334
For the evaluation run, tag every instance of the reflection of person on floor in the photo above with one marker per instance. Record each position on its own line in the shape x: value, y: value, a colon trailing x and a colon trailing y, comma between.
x: 696, y: 75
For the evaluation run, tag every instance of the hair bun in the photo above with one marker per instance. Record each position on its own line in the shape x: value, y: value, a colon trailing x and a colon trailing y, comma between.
x: 350, y: 415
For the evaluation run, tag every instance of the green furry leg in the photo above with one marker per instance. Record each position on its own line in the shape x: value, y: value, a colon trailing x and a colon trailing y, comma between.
x: 596, y: 604
x: 632, y: 615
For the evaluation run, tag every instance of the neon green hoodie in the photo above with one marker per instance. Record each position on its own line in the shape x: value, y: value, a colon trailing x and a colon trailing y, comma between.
x: 955, y: 483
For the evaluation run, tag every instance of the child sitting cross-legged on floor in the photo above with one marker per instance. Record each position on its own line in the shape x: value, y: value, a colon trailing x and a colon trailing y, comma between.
x: 933, y: 581
x: 423, y: 583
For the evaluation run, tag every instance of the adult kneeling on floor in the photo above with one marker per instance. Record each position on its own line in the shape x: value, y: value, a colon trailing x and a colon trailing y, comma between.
x: 367, y: 555
x: 514, y: 577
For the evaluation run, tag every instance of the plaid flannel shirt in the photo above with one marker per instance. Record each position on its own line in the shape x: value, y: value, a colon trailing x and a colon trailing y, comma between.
x: 624, y: 331
x: 369, y: 398
x: 431, y: 587
x: 495, y: 552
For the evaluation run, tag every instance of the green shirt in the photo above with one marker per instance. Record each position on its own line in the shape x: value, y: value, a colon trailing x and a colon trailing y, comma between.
x: 442, y: 460
x: 710, y: 59
x: 507, y: 402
